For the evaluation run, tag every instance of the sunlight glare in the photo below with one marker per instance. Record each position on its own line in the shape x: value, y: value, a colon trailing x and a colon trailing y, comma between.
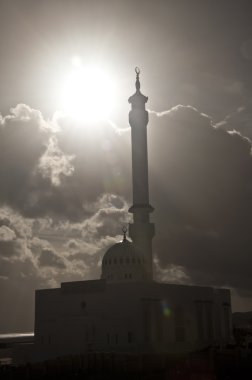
x: 88, y: 93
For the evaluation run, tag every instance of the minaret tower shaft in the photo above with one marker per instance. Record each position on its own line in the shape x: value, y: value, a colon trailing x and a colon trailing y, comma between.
x: 141, y: 230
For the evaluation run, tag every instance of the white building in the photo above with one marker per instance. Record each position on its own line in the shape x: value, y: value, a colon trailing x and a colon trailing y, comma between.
x: 136, y: 317
x: 126, y: 310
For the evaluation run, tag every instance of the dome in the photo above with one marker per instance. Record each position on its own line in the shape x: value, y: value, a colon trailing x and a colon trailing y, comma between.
x: 123, y: 262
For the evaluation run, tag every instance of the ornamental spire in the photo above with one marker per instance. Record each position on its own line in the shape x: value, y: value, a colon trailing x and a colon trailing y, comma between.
x: 124, y: 230
x: 138, y: 100
x: 137, y: 71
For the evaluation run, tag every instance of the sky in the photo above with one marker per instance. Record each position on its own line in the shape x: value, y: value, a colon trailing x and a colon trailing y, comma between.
x: 66, y: 182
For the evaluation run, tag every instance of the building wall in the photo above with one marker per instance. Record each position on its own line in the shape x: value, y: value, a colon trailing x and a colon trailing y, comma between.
x: 142, y: 317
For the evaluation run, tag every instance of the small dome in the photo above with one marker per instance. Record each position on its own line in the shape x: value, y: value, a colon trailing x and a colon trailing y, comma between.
x: 123, y: 262
x: 124, y: 247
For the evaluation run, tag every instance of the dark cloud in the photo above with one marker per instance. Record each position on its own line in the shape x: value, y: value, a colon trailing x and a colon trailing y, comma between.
x: 18, y: 280
x: 58, y: 168
x: 10, y: 245
x: 101, y: 158
x: 23, y: 139
x: 8, y: 248
x: 72, y: 198
x: 48, y: 258
x: 201, y: 183
x: 246, y: 49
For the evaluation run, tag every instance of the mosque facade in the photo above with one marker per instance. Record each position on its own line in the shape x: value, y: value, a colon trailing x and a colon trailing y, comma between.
x: 126, y: 310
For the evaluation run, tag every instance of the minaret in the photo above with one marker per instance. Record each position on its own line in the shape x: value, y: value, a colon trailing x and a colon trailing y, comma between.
x: 141, y: 230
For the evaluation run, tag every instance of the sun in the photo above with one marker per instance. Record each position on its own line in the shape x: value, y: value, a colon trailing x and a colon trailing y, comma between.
x: 88, y: 93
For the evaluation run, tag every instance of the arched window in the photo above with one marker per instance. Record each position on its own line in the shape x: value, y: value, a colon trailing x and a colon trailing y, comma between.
x: 179, y: 324
x: 130, y: 337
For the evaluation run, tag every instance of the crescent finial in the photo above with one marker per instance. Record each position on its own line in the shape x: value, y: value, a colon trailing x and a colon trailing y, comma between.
x: 137, y: 71
x: 124, y: 230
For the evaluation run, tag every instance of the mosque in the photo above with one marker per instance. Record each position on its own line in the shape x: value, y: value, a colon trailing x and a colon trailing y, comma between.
x: 126, y: 310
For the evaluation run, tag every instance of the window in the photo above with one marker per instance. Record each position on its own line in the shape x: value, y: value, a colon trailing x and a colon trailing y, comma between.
x: 179, y: 324
x: 226, y: 315
x: 93, y: 332
x: 115, y: 261
x: 146, y: 320
x: 209, y: 319
x: 133, y: 260
x: 200, y: 319
x: 125, y: 276
x: 130, y: 275
x: 127, y: 260
x: 130, y: 337
x: 121, y: 261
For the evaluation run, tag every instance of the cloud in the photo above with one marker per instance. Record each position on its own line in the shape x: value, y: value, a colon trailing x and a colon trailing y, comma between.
x: 54, y: 164
x: 246, y: 49
x: 239, y: 120
x: 72, y: 244
x: 8, y: 244
x: 201, y: 188
x: 13, y: 231
x: 65, y: 200
x: 19, y: 279
x: 6, y: 234
x: 49, y: 258
x: 23, y: 139
x: 55, y: 168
